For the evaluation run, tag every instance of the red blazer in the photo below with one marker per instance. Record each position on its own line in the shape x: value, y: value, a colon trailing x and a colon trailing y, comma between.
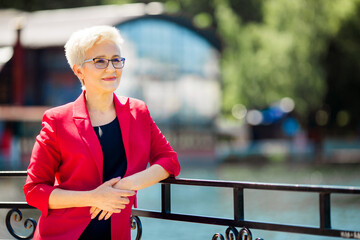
x: 68, y: 155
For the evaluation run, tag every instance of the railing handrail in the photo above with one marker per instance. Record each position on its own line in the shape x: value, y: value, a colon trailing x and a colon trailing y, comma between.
x: 12, y: 173
x: 265, y: 186
x: 240, y: 184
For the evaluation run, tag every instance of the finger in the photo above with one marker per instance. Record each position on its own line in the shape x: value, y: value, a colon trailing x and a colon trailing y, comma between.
x: 117, y: 210
x: 95, y: 213
x: 124, y: 200
x: 92, y: 209
x: 102, y: 215
x: 125, y: 193
x: 108, y: 215
x: 119, y: 206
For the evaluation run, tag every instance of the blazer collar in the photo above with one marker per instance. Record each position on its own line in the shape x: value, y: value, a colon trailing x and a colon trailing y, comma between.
x: 87, y: 133
x: 122, y: 107
x: 80, y: 109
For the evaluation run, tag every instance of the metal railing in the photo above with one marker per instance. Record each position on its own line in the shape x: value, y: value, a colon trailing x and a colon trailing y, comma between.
x: 238, y: 221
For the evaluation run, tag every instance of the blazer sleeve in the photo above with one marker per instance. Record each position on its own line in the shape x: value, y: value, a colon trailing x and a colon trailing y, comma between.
x: 44, y: 162
x: 161, y: 152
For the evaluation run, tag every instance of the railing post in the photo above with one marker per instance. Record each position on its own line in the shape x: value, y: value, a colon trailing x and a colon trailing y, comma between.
x: 238, y: 204
x: 165, y: 198
x: 325, y: 215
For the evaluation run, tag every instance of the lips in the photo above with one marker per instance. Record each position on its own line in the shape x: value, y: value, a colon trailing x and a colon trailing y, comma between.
x: 111, y: 78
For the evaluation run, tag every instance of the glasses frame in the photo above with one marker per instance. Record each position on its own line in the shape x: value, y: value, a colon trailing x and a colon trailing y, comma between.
x: 108, y: 60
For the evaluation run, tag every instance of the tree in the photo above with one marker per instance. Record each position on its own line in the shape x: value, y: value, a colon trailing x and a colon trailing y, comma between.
x: 342, y: 64
x: 280, y: 56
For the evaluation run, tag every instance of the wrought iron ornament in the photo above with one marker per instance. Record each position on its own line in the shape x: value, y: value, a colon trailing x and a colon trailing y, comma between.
x: 135, y: 223
x: 218, y: 236
x: 232, y: 233
x: 29, y: 223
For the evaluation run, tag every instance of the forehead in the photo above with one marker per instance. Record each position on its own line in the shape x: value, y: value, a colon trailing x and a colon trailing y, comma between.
x: 103, y: 49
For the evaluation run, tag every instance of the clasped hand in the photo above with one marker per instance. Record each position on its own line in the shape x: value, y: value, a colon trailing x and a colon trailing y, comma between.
x: 108, y: 200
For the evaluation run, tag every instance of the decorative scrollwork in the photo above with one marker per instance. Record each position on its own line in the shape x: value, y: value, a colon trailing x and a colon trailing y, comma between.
x: 218, y: 236
x: 231, y: 233
x: 29, y: 223
x: 135, y: 223
x: 245, y: 234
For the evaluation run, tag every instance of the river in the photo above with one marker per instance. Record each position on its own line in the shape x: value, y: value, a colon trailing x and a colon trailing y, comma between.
x: 266, y: 206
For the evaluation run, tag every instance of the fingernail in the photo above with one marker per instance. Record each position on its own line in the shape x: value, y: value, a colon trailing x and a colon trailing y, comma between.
x: 118, y: 177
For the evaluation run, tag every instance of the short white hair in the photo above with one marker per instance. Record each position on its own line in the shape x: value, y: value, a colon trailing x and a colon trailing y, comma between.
x: 82, y: 40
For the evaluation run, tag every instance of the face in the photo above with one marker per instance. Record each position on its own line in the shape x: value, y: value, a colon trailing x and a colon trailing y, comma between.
x: 100, y: 80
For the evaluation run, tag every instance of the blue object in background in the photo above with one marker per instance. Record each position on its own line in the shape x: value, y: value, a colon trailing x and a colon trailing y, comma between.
x: 290, y: 126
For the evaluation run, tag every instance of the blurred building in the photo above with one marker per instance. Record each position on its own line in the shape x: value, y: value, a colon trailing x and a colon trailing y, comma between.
x: 170, y: 64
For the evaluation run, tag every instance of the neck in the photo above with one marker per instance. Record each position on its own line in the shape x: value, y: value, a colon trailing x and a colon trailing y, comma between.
x: 99, y: 102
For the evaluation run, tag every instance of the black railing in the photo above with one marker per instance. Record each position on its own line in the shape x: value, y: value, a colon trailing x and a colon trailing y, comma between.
x: 238, y: 221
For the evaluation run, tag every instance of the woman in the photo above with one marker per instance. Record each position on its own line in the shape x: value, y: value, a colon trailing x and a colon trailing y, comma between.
x: 91, y: 155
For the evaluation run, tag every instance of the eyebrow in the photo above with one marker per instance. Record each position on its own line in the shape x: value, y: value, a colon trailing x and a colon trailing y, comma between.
x: 103, y: 56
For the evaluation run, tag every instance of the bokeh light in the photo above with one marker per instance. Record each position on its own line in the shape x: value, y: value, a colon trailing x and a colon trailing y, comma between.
x: 5, y: 54
x: 254, y: 117
x: 287, y: 104
x: 342, y: 118
x: 202, y: 20
x: 239, y: 111
x: 321, y: 117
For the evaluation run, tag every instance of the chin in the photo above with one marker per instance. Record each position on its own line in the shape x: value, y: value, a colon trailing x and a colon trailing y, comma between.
x: 111, y: 88
x: 111, y: 84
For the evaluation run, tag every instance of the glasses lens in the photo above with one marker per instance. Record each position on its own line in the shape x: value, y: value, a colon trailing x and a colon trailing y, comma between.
x: 101, y: 62
x: 118, y: 62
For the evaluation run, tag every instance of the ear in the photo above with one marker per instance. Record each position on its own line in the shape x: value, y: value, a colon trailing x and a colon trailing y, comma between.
x: 78, y: 71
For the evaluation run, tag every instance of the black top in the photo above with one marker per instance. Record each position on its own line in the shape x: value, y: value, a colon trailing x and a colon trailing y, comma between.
x: 114, y: 165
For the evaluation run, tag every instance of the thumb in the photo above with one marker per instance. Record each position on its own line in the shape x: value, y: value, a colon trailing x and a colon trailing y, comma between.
x: 112, y: 181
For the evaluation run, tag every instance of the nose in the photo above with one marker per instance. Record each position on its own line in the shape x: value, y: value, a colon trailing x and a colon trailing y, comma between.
x: 110, y: 67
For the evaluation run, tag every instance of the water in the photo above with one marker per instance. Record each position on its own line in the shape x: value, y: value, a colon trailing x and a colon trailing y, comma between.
x: 267, y: 206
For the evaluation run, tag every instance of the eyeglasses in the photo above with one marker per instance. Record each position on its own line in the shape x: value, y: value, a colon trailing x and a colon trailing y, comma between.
x: 102, y: 63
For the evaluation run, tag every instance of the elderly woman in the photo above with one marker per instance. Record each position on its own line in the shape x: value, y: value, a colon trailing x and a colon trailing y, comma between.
x: 91, y: 155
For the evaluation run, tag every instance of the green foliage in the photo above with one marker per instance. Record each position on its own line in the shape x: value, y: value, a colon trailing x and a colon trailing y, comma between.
x: 203, y: 20
x: 172, y: 6
x: 342, y: 64
x: 280, y: 56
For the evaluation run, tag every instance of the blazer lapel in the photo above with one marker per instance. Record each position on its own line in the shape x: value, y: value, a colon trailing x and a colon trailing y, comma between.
x: 87, y: 133
x: 122, y: 107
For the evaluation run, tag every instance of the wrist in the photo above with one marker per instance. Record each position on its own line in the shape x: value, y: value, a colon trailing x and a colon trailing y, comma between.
x: 125, y: 184
x: 88, y: 197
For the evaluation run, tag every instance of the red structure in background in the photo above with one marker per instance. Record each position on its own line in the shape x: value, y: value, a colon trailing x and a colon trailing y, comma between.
x: 18, y: 70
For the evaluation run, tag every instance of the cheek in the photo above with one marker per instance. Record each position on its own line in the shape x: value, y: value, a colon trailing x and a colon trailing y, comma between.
x: 91, y: 76
x: 119, y: 73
